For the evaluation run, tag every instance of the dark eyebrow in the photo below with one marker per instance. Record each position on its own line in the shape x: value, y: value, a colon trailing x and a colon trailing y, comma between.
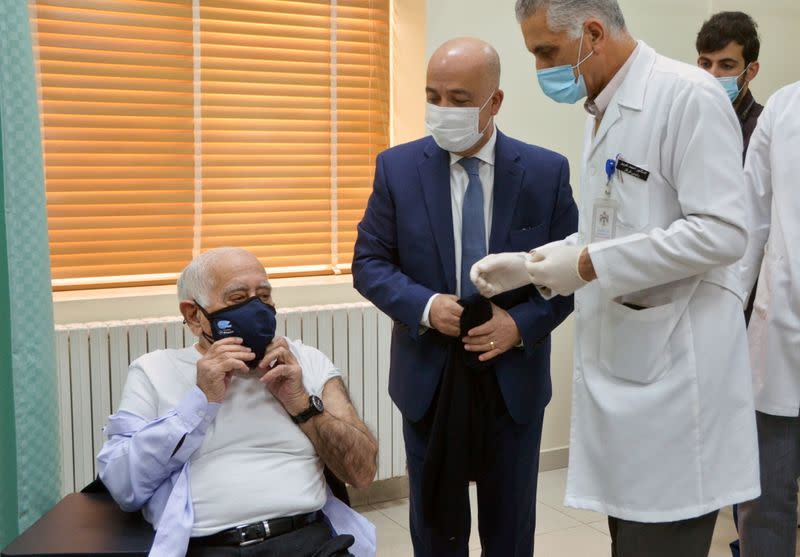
x: 542, y: 48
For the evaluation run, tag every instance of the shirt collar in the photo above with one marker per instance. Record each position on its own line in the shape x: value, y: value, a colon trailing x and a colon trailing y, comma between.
x: 486, y: 154
x: 599, y: 105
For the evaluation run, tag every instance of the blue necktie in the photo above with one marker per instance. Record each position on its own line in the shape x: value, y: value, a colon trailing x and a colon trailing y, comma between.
x: 473, y: 226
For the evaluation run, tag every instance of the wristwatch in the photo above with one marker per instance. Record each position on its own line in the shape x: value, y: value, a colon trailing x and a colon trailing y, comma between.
x: 315, y: 407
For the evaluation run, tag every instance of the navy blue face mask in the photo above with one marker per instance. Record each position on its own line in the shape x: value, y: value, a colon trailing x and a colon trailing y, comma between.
x: 252, y: 320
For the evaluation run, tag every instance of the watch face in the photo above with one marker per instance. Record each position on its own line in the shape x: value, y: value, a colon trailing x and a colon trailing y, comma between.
x: 317, y: 402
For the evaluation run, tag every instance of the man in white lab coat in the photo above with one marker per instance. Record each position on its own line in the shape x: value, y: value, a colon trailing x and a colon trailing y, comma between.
x: 663, y: 430
x: 768, y: 525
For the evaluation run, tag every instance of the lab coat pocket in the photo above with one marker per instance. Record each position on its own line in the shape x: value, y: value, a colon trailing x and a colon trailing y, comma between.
x: 634, y: 344
x: 634, y: 201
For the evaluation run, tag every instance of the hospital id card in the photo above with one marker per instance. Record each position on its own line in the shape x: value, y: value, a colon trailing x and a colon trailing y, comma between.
x: 604, y: 219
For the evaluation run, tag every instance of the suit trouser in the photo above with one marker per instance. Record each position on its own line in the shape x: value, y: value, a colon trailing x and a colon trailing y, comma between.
x: 768, y: 525
x: 506, y: 490
x: 687, y: 538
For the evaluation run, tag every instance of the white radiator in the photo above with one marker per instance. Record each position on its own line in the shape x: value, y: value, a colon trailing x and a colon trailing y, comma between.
x: 93, y: 361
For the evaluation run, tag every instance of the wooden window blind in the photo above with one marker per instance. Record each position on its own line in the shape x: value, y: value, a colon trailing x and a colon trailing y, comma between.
x: 175, y: 126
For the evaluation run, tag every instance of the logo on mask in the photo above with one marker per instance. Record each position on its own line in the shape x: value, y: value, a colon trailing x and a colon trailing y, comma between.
x: 224, y: 327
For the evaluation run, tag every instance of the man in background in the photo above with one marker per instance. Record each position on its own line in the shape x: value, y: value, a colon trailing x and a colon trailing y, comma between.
x: 728, y: 47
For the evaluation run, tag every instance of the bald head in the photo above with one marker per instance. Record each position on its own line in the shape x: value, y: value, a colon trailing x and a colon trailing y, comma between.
x: 467, y: 57
x: 206, y: 274
x: 465, y: 73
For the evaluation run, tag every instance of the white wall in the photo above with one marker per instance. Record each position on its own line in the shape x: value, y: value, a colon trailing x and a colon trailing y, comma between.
x: 670, y: 26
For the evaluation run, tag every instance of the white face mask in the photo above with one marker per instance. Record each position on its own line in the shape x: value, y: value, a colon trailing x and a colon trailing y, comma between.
x: 455, y: 129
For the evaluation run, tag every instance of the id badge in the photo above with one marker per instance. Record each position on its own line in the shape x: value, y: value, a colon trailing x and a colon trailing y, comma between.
x: 604, y: 219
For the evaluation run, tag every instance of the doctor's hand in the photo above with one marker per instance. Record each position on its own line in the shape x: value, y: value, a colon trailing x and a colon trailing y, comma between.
x: 556, y: 268
x: 500, y: 272
x: 498, y: 335
x: 445, y: 315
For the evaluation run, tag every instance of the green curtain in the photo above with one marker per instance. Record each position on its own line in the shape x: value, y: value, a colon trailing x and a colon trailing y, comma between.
x: 8, y: 469
x: 29, y: 444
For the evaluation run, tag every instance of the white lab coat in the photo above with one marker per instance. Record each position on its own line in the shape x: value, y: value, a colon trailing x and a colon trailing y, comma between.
x: 773, y: 186
x: 663, y: 423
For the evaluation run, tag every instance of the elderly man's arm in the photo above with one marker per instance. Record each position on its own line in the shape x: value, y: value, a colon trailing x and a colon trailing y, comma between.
x: 341, y: 438
x: 143, y: 449
x: 343, y: 441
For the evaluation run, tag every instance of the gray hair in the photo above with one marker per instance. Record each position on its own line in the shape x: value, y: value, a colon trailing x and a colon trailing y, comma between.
x: 196, y: 281
x: 569, y: 15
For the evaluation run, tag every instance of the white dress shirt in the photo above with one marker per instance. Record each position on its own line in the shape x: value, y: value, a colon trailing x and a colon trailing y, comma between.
x: 459, y: 180
x: 598, y: 106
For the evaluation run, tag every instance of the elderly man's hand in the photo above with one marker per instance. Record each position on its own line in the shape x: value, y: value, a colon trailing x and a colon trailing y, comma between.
x: 284, y: 377
x: 214, y: 369
x: 498, y: 335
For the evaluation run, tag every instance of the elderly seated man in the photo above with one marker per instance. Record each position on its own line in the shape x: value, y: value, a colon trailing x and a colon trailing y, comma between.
x: 223, y: 444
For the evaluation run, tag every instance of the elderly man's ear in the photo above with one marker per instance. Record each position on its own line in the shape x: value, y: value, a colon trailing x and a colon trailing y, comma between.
x: 191, y: 316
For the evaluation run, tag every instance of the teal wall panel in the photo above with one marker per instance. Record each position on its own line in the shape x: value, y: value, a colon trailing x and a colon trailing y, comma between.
x: 29, y: 324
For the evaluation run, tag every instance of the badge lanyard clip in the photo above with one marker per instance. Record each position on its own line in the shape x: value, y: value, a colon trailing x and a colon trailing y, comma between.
x: 611, y: 169
x: 604, y: 217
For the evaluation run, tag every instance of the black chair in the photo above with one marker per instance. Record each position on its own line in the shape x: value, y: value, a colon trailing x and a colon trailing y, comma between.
x: 97, y: 486
x: 338, y: 487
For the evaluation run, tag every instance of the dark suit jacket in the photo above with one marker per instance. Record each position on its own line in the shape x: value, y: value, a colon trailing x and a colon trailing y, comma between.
x: 405, y: 253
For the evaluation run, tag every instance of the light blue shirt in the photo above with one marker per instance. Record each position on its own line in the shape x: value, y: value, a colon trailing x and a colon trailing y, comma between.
x: 146, y: 466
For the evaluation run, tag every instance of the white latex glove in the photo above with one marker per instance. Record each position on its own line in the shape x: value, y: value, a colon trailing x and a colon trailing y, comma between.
x: 500, y: 272
x: 554, y: 268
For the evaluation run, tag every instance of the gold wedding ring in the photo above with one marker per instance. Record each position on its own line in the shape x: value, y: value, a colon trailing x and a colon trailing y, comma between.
x: 491, y: 344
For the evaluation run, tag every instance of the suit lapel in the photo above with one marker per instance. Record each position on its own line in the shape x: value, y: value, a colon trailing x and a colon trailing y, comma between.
x: 434, y: 174
x: 508, y: 175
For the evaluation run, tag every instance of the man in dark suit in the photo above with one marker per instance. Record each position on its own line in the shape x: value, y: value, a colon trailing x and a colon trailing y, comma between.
x: 440, y: 204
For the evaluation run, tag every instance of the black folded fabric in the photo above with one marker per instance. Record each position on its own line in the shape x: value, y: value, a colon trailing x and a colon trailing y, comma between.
x: 336, y: 547
x: 465, y: 407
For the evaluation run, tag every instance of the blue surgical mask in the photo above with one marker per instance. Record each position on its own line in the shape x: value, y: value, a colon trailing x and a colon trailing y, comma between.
x: 560, y: 84
x: 731, y: 84
x: 252, y: 320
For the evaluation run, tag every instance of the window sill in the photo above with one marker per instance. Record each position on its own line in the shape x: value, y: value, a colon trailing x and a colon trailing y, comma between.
x: 111, y: 304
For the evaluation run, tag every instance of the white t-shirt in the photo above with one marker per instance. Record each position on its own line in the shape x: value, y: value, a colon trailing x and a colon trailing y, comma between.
x: 254, y: 463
